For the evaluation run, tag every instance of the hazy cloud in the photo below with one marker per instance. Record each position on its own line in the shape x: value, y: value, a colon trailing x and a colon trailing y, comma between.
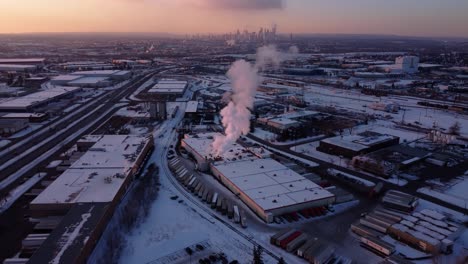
x: 236, y: 4
x: 246, y: 4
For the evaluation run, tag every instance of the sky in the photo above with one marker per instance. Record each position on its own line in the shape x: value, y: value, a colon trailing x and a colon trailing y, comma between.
x: 442, y: 18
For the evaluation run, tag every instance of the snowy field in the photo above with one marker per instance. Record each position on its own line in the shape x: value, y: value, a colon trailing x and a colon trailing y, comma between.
x: 355, y: 101
x: 172, y: 226
x: 454, y: 192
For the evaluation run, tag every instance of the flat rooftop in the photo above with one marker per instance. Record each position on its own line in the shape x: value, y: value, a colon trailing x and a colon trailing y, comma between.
x: 22, y: 60
x: 358, y: 142
x: 90, y: 73
x: 267, y: 182
x: 270, y: 184
x: 202, y: 144
x: 21, y: 115
x: 66, y: 77
x: 98, y: 174
x: 192, y: 107
x: 88, y: 80
x: 36, y: 98
x: 168, y: 86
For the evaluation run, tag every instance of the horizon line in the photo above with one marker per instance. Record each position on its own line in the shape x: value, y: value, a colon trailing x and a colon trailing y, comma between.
x: 204, y: 34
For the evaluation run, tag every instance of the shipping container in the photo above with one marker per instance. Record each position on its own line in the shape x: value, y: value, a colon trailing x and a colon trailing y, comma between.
x: 377, y: 246
x: 280, y: 234
x: 230, y: 210
x: 200, y: 192
x: 361, y: 230
x: 219, y: 204
x: 284, y: 242
x: 237, y: 215
x: 205, y: 194
x: 373, y: 225
x: 214, y: 200
x: 296, y: 243
x: 308, y: 244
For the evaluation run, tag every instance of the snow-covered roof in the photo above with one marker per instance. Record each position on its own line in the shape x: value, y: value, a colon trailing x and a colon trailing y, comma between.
x: 270, y: 184
x: 88, y: 80
x: 192, y: 107
x: 99, y: 174
x: 168, y: 86
x: 36, y: 98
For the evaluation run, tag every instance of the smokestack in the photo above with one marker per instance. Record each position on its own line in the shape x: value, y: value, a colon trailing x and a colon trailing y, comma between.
x: 244, y: 80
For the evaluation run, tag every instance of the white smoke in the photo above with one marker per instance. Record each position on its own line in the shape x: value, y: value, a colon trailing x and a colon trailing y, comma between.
x: 244, y: 79
x: 231, y: 42
x: 293, y: 50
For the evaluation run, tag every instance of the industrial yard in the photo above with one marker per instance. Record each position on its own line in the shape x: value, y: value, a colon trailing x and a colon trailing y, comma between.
x: 246, y: 147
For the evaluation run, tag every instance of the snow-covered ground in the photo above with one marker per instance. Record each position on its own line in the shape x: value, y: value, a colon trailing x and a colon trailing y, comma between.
x: 310, y: 149
x: 459, y: 189
x: 454, y: 192
x: 455, y: 200
x: 172, y: 226
x: 355, y: 101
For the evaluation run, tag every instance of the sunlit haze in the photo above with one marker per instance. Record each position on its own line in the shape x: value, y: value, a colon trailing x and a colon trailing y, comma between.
x: 416, y: 18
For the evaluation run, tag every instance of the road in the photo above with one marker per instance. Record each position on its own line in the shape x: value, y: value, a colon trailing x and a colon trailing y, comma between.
x: 33, y: 154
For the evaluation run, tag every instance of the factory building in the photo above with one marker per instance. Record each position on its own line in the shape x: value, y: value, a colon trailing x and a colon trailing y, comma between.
x: 286, y: 121
x: 85, y: 196
x: 266, y: 186
x: 353, y: 145
x: 168, y: 87
x: 101, y: 175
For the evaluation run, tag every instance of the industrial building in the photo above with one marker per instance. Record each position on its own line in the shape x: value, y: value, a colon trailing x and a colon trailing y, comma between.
x: 286, y: 121
x: 268, y: 187
x: 12, y: 125
x: 28, y: 102
x: 91, y: 79
x: 168, y: 87
x: 17, y: 68
x: 23, y: 61
x: 353, y: 145
x: 85, y: 196
x: 102, y: 174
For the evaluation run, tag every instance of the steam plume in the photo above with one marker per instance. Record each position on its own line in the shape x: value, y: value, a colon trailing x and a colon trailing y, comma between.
x: 244, y: 79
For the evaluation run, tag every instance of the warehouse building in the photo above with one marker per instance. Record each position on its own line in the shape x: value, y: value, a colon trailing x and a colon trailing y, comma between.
x: 28, y: 102
x: 268, y: 187
x: 101, y: 175
x: 23, y: 61
x: 168, y: 87
x: 17, y: 68
x: 286, y: 121
x: 91, y: 79
x: 353, y: 145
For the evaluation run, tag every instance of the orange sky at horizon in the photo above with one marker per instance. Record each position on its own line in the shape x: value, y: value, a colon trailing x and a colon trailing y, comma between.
x: 200, y: 16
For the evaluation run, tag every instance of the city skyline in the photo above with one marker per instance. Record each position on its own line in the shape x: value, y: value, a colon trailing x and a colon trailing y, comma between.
x: 433, y: 19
